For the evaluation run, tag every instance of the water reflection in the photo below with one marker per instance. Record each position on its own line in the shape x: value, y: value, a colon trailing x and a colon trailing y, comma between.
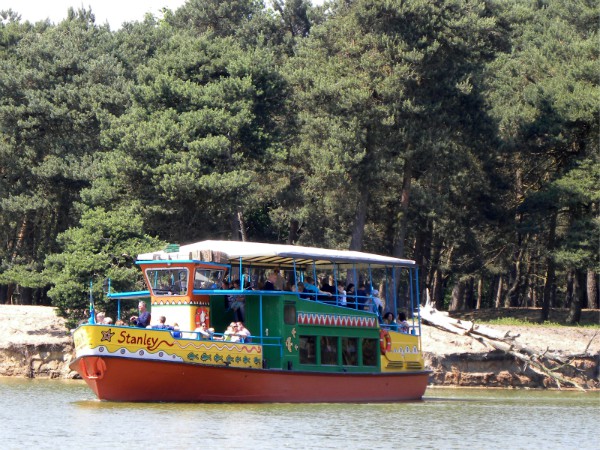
x: 64, y: 414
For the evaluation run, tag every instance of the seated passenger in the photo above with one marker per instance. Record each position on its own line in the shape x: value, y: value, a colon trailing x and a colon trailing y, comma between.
x: 228, y: 332
x: 243, y: 333
x: 203, y: 332
x: 235, y: 337
x: 350, y: 296
x: 176, y: 333
x: 388, y: 322
x: 312, y: 289
x: 377, y: 304
x: 341, y: 292
x: 403, y: 325
x: 162, y: 325
x: 270, y: 283
x: 361, y: 296
x: 101, y: 319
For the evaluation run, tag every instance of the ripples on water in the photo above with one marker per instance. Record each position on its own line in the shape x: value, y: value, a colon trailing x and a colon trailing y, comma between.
x: 51, y: 414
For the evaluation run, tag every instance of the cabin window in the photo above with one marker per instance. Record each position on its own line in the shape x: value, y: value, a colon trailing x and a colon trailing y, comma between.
x: 350, y: 351
x: 370, y: 351
x: 308, y: 349
x: 329, y: 350
x: 208, y: 278
x: 289, y: 314
x: 168, y: 281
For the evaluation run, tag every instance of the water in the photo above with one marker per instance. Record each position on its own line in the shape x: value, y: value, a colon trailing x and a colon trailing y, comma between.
x: 51, y: 414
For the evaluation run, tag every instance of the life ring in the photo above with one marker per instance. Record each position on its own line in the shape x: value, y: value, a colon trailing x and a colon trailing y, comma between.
x: 385, y: 341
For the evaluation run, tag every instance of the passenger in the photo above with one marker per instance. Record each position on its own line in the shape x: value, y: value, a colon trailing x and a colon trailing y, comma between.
x: 243, y: 332
x: 341, y: 292
x: 238, y: 303
x: 350, y: 293
x: 328, y: 289
x: 270, y: 283
x: 101, y: 319
x: 279, y: 282
x: 120, y: 323
x: 235, y: 337
x: 176, y: 332
x: 143, y: 320
x: 361, y: 296
x: 228, y: 332
x: 162, y: 325
x: 203, y: 332
x: 403, y: 325
x: 312, y: 289
x: 377, y: 304
x: 388, y: 322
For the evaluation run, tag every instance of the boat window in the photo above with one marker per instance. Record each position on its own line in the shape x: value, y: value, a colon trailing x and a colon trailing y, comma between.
x: 208, y: 278
x: 329, y: 350
x: 168, y: 281
x: 370, y: 351
x: 289, y: 314
x: 350, y: 351
x: 308, y: 349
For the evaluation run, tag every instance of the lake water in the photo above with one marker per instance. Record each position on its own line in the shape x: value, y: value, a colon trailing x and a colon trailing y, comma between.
x: 52, y: 414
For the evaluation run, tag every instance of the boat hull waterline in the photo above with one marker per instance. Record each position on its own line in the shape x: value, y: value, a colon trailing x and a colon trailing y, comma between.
x: 139, y: 380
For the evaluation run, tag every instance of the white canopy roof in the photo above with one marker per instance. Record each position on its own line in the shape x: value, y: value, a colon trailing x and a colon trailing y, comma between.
x: 270, y: 255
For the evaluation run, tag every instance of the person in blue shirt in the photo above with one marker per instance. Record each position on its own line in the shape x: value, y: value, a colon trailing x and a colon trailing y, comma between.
x: 143, y: 320
x: 310, y: 287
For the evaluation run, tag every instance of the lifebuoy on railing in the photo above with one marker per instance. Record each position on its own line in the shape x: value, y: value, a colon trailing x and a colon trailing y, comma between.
x: 385, y: 341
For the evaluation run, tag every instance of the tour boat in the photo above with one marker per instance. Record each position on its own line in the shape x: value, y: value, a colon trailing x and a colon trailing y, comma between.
x: 308, y: 345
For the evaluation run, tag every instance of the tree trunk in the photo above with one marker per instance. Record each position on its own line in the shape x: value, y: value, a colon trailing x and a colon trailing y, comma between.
x: 3, y: 294
x: 469, y: 302
x: 550, y: 270
x: 592, y: 289
x: 458, y: 296
x: 360, y: 218
x: 512, y: 295
x: 498, y: 293
x: 479, y: 292
x: 26, y: 296
x: 293, y: 234
x: 438, y: 289
x: 578, y: 298
x: 570, y: 288
x: 404, y: 204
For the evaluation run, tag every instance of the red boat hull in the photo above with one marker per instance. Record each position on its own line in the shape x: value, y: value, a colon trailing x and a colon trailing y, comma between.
x: 136, y: 380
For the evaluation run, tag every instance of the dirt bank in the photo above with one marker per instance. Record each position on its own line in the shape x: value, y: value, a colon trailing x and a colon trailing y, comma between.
x: 35, y: 343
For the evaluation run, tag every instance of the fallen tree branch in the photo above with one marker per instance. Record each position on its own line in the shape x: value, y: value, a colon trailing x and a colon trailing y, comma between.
x: 502, y: 342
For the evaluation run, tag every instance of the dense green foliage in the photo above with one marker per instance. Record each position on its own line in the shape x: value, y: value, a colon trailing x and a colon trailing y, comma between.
x: 460, y: 133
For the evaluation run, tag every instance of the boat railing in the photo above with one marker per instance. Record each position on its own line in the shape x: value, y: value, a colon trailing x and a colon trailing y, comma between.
x: 356, y: 302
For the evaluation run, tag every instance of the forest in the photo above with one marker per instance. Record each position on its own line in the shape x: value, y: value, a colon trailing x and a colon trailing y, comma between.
x: 462, y: 134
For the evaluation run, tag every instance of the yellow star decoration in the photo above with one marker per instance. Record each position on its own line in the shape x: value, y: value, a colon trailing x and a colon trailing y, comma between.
x: 107, y: 335
x: 294, y: 332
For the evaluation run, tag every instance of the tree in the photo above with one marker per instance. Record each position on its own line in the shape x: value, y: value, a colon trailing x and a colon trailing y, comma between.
x: 102, y: 247
x: 197, y: 138
x: 57, y: 86
x: 544, y: 94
